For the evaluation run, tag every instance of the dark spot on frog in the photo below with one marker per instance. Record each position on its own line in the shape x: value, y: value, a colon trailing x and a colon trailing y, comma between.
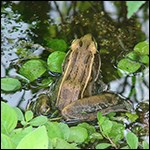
x: 65, y: 93
x: 80, y: 43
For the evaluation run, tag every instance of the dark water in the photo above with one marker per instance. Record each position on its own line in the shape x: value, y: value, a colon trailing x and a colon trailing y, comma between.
x: 36, y: 22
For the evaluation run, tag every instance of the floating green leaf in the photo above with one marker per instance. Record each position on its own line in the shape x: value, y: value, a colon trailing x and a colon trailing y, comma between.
x: 33, y: 69
x: 8, y: 118
x: 65, y: 130
x: 132, y: 140
x: 19, y: 113
x: 89, y: 128
x: 6, y: 142
x: 53, y: 130
x: 36, y: 139
x: 133, y: 55
x: 144, y: 59
x: 133, y: 6
x: 106, y: 126
x: 142, y: 48
x: 96, y: 136
x: 100, y: 118
x: 57, y: 45
x: 38, y: 121
x: 103, y: 145
x: 132, y: 117
x: 78, y: 134
x: 28, y: 115
x: 62, y: 144
x: 46, y: 82
x: 145, y: 145
x: 55, y: 60
x: 10, y: 84
x: 117, y: 132
x: 19, y: 134
x: 127, y: 66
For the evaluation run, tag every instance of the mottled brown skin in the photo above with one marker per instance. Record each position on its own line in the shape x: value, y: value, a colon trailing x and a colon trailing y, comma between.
x: 76, y: 99
x: 78, y: 74
x: 80, y: 92
x: 86, y: 109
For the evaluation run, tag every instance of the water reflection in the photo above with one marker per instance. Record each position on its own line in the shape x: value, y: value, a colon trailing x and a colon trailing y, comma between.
x: 138, y: 91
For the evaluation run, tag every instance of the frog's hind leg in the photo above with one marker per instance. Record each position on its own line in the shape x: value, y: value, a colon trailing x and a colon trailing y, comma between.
x: 86, y: 109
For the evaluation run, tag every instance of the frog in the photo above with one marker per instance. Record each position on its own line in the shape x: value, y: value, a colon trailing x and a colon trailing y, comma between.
x: 79, y: 93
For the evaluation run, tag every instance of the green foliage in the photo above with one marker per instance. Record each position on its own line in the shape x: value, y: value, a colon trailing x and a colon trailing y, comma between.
x: 10, y: 84
x: 19, y: 113
x: 38, y: 121
x: 37, y: 139
x: 103, y: 145
x: 132, y: 117
x: 57, y: 45
x: 145, y: 145
x: 132, y: 140
x: 8, y: 118
x: 45, y: 82
x: 142, y: 48
x: 134, y: 60
x: 128, y: 66
x: 33, y: 69
x: 59, y: 143
x: 133, y: 7
x: 28, y: 115
x: 78, y: 134
x: 111, y: 130
x: 55, y: 60
x: 6, y: 142
x: 38, y: 132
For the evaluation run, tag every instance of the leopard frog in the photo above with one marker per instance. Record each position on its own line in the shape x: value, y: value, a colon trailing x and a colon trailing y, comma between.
x: 79, y: 93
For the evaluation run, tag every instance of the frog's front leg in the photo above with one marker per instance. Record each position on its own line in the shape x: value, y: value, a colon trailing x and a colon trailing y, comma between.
x: 86, y: 109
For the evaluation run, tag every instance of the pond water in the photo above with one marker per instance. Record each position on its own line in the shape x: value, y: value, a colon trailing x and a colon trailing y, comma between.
x: 37, y: 22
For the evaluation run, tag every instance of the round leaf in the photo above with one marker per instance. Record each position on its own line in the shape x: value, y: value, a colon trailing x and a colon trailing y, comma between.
x: 128, y: 66
x: 55, y: 60
x: 57, y: 45
x: 53, y: 130
x: 10, y: 84
x: 107, y: 126
x: 103, y: 145
x: 19, y: 134
x: 36, y: 139
x: 62, y: 144
x: 33, y: 69
x: 91, y: 129
x: 78, y: 134
x: 133, y: 6
x: 6, y: 142
x: 145, y: 145
x: 38, y: 121
x: 132, y: 140
x: 144, y: 59
x: 133, y: 55
x: 8, y: 118
x: 142, y: 48
x: 28, y: 115
x: 65, y: 130
x: 19, y: 113
x: 117, y: 132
